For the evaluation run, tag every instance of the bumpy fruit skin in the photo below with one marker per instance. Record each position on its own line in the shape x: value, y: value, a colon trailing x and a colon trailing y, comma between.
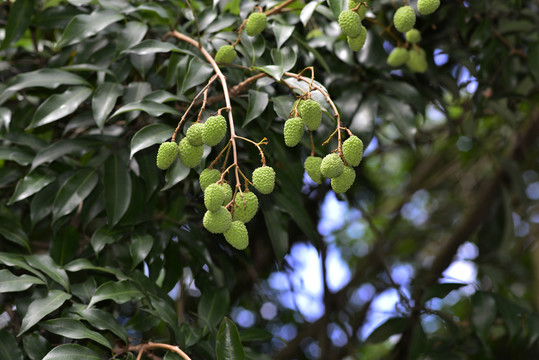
x: 397, y: 57
x: 312, y: 166
x: 194, y: 134
x: 358, y: 42
x: 226, y: 54
x: 352, y: 150
x: 217, y: 222
x: 293, y: 131
x: 228, y: 193
x: 350, y: 23
x: 166, y: 154
x: 237, y: 235
x: 256, y: 23
x: 362, y: 11
x: 343, y: 182
x: 264, y: 179
x: 214, y: 197
x: 207, y: 177
x: 413, y: 36
x: 417, y: 61
x: 404, y: 18
x: 214, y: 130
x: 331, y: 166
x: 245, y: 213
x: 190, y: 155
x: 426, y: 7
x: 311, y: 114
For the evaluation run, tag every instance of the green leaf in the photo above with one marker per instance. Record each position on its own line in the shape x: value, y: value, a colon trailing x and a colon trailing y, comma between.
x: 439, y: 291
x: 64, y: 245
x: 29, y: 185
x: 296, y: 210
x: 74, y: 329
x: 197, y: 72
x: 13, y: 260
x: 275, y: 71
x: 258, y: 101
x: 483, y: 313
x: 282, y: 33
x: 391, y: 327
x: 155, y: 46
x: 401, y: 115
x: 176, y: 173
x: 12, y: 283
x: 131, y: 35
x: 85, y: 264
x: 533, y: 59
x: 150, y: 135
x: 9, y: 350
x: 511, y: 314
x: 40, y: 308
x: 70, y: 352
x: 103, y: 321
x: 84, y: 26
x: 276, y: 231
x: 139, y: 247
x: 150, y: 107
x: 13, y: 153
x: 41, y: 204
x: 18, y: 21
x: 255, y: 334
x: 336, y: 6
x: 308, y: 11
x: 103, y: 236
x: 117, y: 183
x: 120, y: 292
x: 228, y: 344
x: 35, y: 346
x: 212, y: 306
x: 64, y: 147
x: 59, y: 105
x: 47, y: 265
x: 12, y: 231
x: 73, y: 192
x: 103, y: 101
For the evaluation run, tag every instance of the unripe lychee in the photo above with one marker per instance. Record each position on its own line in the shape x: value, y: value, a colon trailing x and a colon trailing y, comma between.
x: 331, y: 166
x: 413, y: 36
x: 264, y: 179
x: 361, y: 11
x: 312, y: 166
x: 256, y: 23
x: 358, y: 42
x: 190, y: 155
x: 397, y: 57
x: 417, y: 61
x: 352, y: 150
x: 214, y: 196
x: 226, y: 54
x: 237, y: 235
x: 166, y: 154
x: 426, y: 7
x: 228, y: 193
x: 293, y: 131
x: 343, y: 182
x: 217, y: 222
x: 207, y: 177
x: 194, y: 134
x: 214, y: 130
x: 350, y: 23
x: 245, y: 208
x: 311, y: 114
x: 404, y: 18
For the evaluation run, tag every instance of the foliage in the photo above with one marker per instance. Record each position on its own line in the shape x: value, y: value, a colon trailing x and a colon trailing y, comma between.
x: 103, y: 255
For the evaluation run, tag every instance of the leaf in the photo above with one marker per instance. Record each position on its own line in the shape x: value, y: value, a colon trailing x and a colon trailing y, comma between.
x: 150, y: 135
x: 308, y: 11
x: 70, y: 352
x: 197, y: 72
x: 103, y: 321
x: 12, y: 283
x: 103, y: 236
x: 155, y: 46
x: 282, y: 105
x: 29, y: 185
x: 41, y: 204
x: 12, y: 231
x: 511, y: 314
x: 176, y: 173
x: 117, y: 183
x: 150, y: 107
x: 64, y: 147
x: 401, y: 115
x: 228, y: 344
x: 84, y: 26
x: 120, y: 292
x: 298, y: 213
x: 391, y: 327
x: 35, y: 346
x: 255, y: 334
x: 47, y: 265
x: 483, y: 313
x: 64, y: 245
x: 336, y: 6
x: 5, y: 117
x: 277, y: 232
x: 59, y: 105
x: 40, y: 308
x: 533, y: 59
x: 139, y: 247
x: 282, y: 33
x: 439, y: 291
x: 9, y: 350
x: 9, y: 259
x: 13, y: 153
x: 18, y: 21
x: 74, y: 329
x: 73, y: 192
x: 103, y: 101
x: 84, y: 264
x: 212, y: 306
x: 275, y: 71
x: 131, y: 35
x: 258, y: 101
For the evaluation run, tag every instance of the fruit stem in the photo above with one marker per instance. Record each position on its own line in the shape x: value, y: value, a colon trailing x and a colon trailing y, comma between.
x: 312, y: 143
x: 227, y: 147
x: 385, y: 29
x: 279, y: 7
x: 264, y: 141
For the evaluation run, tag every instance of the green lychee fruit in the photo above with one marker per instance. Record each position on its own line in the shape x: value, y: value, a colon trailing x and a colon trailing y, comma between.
x: 214, y: 130
x: 413, y: 36
x: 256, y: 23
x: 207, y: 177
x: 358, y: 42
x: 228, y: 193
x: 312, y: 166
x: 362, y: 11
x: 293, y: 131
x: 397, y: 57
x: 343, y: 182
x: 166, y: 154
x: 194, y: 134
x: 226, y: 54
x: 245, y: 208
x: 331, y: 166
x: 217, y: 222
x: 237, y: 235
x: 214, y: 195
x: 350, y: 23
x: 190, y: 155
x: 404, y: 18
x: 352, y: 150
x: 311, y: 114
x: 417, y: 61
x: 426, y: 7
x: 264, y: 179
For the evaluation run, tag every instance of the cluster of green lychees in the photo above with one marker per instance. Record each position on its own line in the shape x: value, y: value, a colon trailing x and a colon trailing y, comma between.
x: 404, y: 21
x: 350, y: 24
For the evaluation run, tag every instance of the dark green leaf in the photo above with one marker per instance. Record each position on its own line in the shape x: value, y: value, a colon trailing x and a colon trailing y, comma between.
x: 255, y: 334
x: 155, y: 46
x: 176, y: 173
x: 139, y: 247
x: 74, y: 329
x: 103, y: 101
x: 63, y: 147
x: 212, y: 307
x: 511, y: 314
x: 103, y: 236
x: 29, y: 185
x: 150, y: 135
x: 40, y: 308
x: 18, y: 21
x: 401, y: 115
x: 47, y: 265
x: 64, y: 245
x: 483, y: 312
x: 103, y: 321
x: 70, y: 352
x: 132, y: 34
x: 9, y: 259
x: 12, y: 153
x: 150, y: 107
x: 391, y: 327
x: 85, y: 26
x: 41, y: 204
x: 258, y: 101
x: 228, y: 344
x: 533, y: 59
x: 84, y: 264
x: 439, y: 291
x: 197, y: 72
x: 12, y: 231
x: 120, y: 292
x: 11, y: 283
x: 8, y: 347
x: 35, y: 346
x: 277, y: 232
x: 117, y: 183
x: 73, y: 192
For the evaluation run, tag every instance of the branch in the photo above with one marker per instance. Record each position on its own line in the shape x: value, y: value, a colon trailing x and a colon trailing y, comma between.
x: 150, y: 346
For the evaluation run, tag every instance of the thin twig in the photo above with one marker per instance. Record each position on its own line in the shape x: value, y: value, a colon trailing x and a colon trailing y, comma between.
x: 141, y: 348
